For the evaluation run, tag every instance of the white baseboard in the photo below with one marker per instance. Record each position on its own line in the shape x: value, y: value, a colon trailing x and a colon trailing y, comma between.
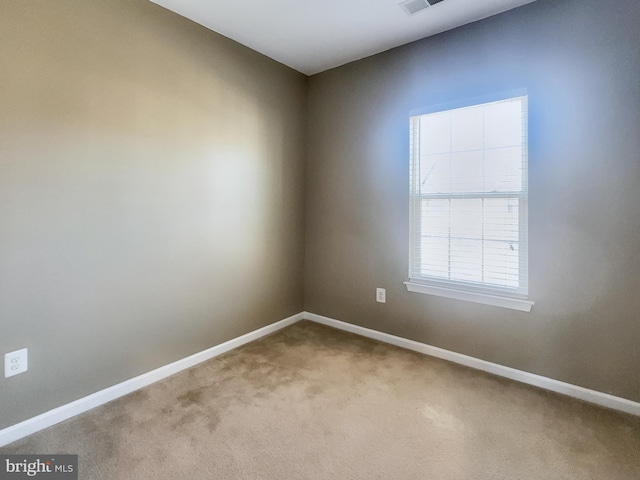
x: 64, y: 412
x: 59, y: 414
x: 591, y: 396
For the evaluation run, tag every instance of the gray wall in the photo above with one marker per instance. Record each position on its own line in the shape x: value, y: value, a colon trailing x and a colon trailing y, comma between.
x: 151, y: 194
x: 580, y: 61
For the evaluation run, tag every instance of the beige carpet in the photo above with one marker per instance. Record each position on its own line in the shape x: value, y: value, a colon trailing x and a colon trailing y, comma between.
x: 311, y: 402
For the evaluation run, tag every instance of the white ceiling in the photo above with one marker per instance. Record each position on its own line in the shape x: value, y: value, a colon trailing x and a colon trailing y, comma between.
x: 313, y: 36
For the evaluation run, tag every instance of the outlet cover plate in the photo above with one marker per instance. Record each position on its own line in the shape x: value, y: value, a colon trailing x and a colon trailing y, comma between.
x: 15, y: 363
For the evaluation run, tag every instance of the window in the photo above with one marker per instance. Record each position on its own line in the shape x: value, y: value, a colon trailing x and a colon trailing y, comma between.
x: 468, y: 202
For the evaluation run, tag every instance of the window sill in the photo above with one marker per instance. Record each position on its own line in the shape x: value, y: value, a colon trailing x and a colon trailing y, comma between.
x: 496, y: 301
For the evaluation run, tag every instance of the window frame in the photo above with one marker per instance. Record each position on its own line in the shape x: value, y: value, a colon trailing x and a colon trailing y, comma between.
x: 491, y: 294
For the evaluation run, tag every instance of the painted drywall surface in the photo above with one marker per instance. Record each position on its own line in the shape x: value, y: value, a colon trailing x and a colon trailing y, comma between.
x: 580, y: 62
x: 151, y: 194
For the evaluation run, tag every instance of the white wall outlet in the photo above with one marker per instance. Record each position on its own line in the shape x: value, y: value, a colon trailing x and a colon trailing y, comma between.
x: 381, y: 295
x: 15, y: 363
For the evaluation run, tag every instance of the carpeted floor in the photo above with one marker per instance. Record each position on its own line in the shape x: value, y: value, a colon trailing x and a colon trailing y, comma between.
x: 311, y: 402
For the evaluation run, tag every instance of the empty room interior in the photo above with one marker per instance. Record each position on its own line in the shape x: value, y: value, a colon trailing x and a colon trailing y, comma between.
x: 334, y: 240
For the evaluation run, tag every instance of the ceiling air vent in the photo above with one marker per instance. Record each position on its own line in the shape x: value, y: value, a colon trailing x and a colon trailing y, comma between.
x: 414, y: 6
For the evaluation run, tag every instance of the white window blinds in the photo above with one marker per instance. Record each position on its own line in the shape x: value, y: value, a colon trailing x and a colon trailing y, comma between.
x: 468, y: 198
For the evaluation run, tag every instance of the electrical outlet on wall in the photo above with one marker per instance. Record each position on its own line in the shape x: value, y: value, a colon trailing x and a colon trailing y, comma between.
x: 381, y: 295
x: 15, y: 363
